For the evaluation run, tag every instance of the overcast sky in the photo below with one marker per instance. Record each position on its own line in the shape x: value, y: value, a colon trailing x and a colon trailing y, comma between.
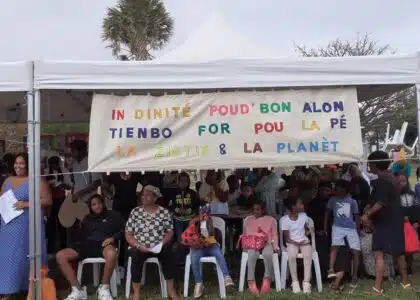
x: 64, y: 29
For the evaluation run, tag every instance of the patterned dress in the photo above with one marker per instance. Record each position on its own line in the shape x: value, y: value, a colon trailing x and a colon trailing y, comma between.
x: 14, y: 238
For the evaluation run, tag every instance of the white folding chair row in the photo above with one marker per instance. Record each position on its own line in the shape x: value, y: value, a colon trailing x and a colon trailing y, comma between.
x: 244, y: 264
x: 285, y: 258
x: 151, y: 260
x: 97, y: 262
x: 219, y: 224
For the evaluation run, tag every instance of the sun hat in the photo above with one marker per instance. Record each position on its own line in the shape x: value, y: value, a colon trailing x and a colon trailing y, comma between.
x: 152, y: 189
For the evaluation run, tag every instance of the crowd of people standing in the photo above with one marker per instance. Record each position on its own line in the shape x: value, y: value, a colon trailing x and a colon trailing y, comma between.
x: 357, y: 217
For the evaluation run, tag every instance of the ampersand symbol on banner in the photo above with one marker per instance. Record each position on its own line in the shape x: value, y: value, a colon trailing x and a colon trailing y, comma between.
x: 222, y: 148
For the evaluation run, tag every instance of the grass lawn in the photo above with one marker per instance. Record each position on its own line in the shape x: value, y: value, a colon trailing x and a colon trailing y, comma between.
x: 391, y: 292
x: 152, y: 291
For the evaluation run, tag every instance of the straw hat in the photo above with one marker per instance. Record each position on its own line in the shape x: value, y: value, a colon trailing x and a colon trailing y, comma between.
x: 152, y: 189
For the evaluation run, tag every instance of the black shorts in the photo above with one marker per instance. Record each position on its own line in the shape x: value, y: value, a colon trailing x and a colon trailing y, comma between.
x: 389, y: 239
x: 90, y: 249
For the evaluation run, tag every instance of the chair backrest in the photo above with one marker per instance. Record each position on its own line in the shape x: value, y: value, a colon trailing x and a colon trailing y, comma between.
x: 219, y: 223
x: 282, y: 246
x: 243, y: 223
x: 311, y: 225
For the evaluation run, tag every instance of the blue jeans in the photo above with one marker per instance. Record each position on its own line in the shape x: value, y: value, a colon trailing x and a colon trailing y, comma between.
x: 197, y: 254
x: 180, y: 227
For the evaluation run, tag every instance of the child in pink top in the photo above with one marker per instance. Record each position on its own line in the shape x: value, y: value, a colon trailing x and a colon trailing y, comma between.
x: 255, y: 225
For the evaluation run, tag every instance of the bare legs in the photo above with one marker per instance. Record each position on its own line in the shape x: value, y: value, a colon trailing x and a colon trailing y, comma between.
x: 110, y: 256
x: 64, y: 259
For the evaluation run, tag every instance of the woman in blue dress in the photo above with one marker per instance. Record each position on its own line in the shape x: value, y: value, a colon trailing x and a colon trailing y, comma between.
x: 14, y: 236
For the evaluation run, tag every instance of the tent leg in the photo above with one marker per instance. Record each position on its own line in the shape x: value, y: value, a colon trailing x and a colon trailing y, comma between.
x: 418, y: 117
x: 39, y: 218
x: 31, y: 181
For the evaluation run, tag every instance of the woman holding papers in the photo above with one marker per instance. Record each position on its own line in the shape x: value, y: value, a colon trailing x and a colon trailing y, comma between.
x: 149, y: 231
x: 102, y: 229
x: 14, y: 232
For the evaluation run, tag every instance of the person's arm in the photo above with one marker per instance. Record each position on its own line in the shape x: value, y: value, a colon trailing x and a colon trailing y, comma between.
x: 275, y: 236
x: 356, y: 214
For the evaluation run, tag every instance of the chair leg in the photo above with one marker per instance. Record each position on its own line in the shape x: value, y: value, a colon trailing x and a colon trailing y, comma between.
x: 79, y: 272
x: 317, y: 271
x: 187, y: 275
x: 143, y: 274
x: 163, y: 287
x: 96, y: 274
x: 283, y: 272
x: 222, y: 287
x: 113, y: 284
x: 244, y: 261
x: 128, y: 279
x: 276, y: 270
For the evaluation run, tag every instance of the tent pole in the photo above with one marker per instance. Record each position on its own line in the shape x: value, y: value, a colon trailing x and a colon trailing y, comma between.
x: 39, y: 218
x: 418, y: 117
x: 31, y: 181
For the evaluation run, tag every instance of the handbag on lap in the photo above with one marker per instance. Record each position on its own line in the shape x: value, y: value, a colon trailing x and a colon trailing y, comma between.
x: 253, y: 242
x: 191, y: 237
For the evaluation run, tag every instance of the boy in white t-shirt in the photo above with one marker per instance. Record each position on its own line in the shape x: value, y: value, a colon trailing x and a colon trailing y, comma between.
x: 293, y: 228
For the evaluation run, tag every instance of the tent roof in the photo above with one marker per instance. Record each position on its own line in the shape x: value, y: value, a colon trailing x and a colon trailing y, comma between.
x: 215, y: 39
x: 15, y: 79
x: 16, y: 76
x: 363, y: 72
x: 67, y: 85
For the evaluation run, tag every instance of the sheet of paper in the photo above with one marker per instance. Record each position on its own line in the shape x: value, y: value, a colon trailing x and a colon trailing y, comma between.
x: 7, y: 211
x: 156, y: 249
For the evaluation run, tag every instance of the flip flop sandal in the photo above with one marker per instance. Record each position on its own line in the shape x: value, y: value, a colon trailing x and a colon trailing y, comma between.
x: 406, y: 286
x: 377, y: 292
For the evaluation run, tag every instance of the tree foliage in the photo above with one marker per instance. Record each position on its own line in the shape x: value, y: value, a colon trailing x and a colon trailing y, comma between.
x: 374, y: 113
x: 134, y: 28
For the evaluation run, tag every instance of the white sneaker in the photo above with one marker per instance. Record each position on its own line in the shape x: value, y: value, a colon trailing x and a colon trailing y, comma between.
x: 198, y: 290
x: 296, y: 287
x: 306, y: 287
x: 104, y: 293
x: 77, y: 294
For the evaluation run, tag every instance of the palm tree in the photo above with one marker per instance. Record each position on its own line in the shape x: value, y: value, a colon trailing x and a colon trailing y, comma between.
x: 133, y: 28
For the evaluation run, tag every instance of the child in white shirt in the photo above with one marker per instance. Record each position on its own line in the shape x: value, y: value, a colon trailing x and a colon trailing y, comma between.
x: 293, y: 229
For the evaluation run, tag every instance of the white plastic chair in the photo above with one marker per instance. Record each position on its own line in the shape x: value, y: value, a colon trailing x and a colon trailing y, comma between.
x: 150, y: 260
x: 219, y: 224
x: 285, y: 258
x: 96, y: 262
x: 244, y: 264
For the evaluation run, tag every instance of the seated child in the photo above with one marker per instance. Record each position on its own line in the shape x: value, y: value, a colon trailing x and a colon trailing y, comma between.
x: 293, y: 229
x: 209, y: 247
x: 345, y: 213
x: 259, y: 224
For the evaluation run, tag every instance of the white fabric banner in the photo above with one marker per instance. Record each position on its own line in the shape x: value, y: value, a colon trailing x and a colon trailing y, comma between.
x: 224, y: 130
